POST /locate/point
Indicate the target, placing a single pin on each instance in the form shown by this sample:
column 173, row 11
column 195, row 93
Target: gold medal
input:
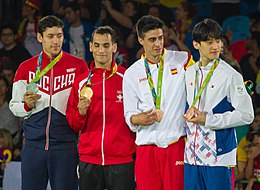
column 86, row 92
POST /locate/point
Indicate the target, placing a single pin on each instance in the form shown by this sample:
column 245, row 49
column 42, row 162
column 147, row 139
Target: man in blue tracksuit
column 50, row 150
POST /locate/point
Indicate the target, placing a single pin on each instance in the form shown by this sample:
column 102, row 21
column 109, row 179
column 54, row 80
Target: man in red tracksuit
column 95, row 109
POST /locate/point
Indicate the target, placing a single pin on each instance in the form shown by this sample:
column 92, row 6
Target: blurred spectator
column 161, row 12
column 8, row 71
column 27, row 32
column 154, row 10
column 255, row 22
column 250, row 63
column 185, row 15
column 243, row 147
column 11, row 51
column 84, row 12
column 125, row 19
column 171, row 39
column 121, row 55
column 5, row 142
column 7, row 119
column 77, row 32
column 252, row 170
column 227, row 55
column 58, row 7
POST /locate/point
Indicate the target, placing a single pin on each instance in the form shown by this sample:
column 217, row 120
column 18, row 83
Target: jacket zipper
column 195, row 138
column 49, row 113
column 104, row 119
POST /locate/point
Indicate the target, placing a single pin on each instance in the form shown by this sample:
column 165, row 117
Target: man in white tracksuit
column 154, row 102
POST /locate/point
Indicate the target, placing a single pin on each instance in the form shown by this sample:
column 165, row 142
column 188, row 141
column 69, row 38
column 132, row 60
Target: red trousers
column 160, row 168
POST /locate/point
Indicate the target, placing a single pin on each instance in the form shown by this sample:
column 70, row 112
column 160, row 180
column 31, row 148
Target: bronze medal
column 190, row 113
column 86, row 92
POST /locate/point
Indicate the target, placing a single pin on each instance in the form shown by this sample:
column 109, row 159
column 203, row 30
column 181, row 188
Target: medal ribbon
column 89, row 83
column 156, row 97
column 39, row 73
column 205, row 82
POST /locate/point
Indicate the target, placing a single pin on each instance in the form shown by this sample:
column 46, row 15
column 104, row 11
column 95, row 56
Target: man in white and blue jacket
column 218, row 102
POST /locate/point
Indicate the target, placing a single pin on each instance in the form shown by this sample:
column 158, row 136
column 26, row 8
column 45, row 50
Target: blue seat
column 239, row 25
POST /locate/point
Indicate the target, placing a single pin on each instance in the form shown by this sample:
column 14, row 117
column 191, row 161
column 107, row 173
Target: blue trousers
column 208, row 177
column 58, row 166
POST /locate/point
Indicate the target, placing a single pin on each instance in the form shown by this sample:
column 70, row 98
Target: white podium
column 12, row 177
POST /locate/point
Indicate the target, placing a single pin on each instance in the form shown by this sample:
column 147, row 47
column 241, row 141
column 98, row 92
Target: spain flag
column 174, row 71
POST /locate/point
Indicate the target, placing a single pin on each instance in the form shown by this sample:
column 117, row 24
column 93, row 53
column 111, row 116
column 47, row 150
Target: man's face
column 27, row 10
column 9, row 74
column 102, row 49
column 51, row 40
column 257, row 140
column 70, row 15
column 8, row 37
column 152, row 42
column 209, row 49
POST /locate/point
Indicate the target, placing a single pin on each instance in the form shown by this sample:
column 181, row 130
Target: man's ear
column 90, row 47
column 114, row 47
column 140, row 40
column 39, row 37
column 196, row 44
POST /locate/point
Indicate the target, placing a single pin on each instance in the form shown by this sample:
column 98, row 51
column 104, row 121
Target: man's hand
column 159, row 115
column 145, row 118
column 30, row 98
column 198, row 117
column 83, row 105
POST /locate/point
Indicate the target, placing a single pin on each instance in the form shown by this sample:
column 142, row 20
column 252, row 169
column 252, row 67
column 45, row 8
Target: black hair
column 134, row 3
column 206, row 30
column 9, row 26
column 49, row 22
column 147, row 23
column 105, row 30
column 73, row 5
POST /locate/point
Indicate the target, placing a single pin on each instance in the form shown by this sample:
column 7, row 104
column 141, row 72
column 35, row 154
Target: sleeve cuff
column 26, row 108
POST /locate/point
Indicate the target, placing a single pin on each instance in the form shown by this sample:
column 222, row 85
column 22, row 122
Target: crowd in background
column 241, row 46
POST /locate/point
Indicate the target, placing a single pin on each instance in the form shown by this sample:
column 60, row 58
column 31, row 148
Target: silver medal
column 32, row 87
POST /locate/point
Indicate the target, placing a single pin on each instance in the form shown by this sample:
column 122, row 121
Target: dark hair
column 9, row 26
column 49, row 22
column 147, row 23
column 73, row 5
column 206, row 30
column 105, row 30
column 134, row 3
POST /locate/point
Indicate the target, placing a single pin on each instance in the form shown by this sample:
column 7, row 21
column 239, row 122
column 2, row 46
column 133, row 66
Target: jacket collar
column 97, row 70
